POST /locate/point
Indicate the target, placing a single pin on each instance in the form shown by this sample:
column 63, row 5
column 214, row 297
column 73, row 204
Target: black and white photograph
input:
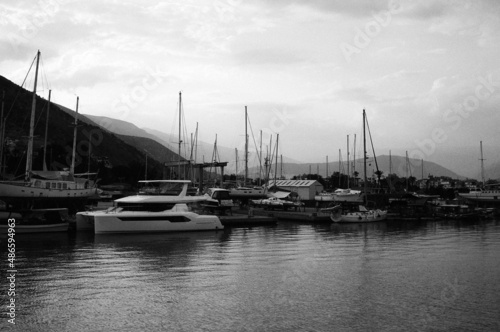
column 266, row 165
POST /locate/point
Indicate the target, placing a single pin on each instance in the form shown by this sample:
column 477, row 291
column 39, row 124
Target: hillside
column 290, row 168
column 398, row 168
column 110, row 154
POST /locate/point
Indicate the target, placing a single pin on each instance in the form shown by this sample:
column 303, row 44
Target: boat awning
column 53, row 175
column 281, row 194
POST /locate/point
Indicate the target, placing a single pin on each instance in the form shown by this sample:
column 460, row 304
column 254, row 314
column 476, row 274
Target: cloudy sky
column 427, row 72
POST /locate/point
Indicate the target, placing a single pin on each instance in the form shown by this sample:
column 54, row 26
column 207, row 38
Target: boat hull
column 154, row 222
column 25, row 190
column 60, row 227
column 358, row 217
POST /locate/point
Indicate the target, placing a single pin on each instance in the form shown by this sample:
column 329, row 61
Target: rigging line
column 44, row 75
column 20, row 88
column 371, row 141
column 272, row 158
column 255, row 143
column 185, row 141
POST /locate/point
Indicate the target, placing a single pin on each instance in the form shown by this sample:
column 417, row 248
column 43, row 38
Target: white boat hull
column 490, row 196
column 153, row 222
column 85, row 220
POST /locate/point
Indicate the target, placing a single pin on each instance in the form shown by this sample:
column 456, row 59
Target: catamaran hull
column 157, row 222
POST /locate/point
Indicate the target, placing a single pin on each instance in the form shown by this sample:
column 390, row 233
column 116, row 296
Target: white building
column 306, row 189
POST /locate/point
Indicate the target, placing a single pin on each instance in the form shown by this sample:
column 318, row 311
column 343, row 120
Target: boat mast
column 29, row 153
column 354, row 159
column 180, row 141
column 246, row 147
column 260, row 159
column 339, row 168
column 326, row 175
column 281, row 166
column 2, row 135
column 364, row 155
column 46, row 131
column 73, row 155
column 276, row 163
column 482, row 162
column 348, row 170
column 236, row 153
column 390, row 171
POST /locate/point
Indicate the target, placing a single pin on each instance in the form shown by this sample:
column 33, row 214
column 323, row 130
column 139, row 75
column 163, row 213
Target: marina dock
column 242, row 220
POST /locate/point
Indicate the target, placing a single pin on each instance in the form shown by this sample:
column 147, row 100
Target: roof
column 294, row 183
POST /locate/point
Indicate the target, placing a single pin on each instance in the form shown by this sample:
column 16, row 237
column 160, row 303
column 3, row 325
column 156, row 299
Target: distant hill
column 384, row 161
column 110, row 153
column 204, row 150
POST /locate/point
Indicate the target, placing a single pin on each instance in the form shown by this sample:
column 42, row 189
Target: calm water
column 410, row 276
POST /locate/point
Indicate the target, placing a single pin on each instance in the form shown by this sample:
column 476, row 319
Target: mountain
column 290, row 167
column 204, row 150
column 110, row 153
column 398, row 167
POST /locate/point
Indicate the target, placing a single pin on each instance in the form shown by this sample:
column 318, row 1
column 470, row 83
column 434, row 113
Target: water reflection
column 377, row 276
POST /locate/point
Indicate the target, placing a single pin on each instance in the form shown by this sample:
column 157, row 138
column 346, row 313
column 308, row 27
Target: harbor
column 438, row 275
column 250, row 166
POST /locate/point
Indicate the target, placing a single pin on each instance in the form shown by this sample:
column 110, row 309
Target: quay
column 305, row 215
column 242, row 220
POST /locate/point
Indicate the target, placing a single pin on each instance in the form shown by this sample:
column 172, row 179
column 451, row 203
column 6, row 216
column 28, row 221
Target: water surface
column 388, row 276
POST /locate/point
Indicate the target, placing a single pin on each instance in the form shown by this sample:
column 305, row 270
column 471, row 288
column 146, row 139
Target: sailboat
column 489, row 193
column 244, row 192
column 361, row 213
column 46, row 187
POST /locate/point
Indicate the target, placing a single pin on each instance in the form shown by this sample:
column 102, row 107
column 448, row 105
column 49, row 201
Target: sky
column 426, row 72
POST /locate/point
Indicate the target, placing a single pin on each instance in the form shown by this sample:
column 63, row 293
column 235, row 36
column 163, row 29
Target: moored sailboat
column 359, row 212
column 48, row 188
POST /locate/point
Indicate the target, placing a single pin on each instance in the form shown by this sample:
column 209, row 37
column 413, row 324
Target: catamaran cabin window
column 47, row 185
column 65, row 186
column 53, row 185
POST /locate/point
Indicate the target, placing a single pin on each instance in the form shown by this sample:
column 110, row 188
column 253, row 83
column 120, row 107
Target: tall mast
column 246, row 147
column 390, row 171
column 276, row 163
column 482, row 161
column 354, row 157
column 339, row 168
column 260, row 159
column 180, row 141
column 29, row 153
column 407, row 167
column 281, row 167
column 326, row 175
column 2, row 134
column 73, row 155
column 364, row 155
column 236, row 153
column 46, row 132
column 422, row 168
column 348, row 170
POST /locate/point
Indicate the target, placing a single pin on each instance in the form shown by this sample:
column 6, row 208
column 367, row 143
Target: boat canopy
column 53, row 175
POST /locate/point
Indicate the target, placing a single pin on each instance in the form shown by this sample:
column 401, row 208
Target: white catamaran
column 146, row 213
